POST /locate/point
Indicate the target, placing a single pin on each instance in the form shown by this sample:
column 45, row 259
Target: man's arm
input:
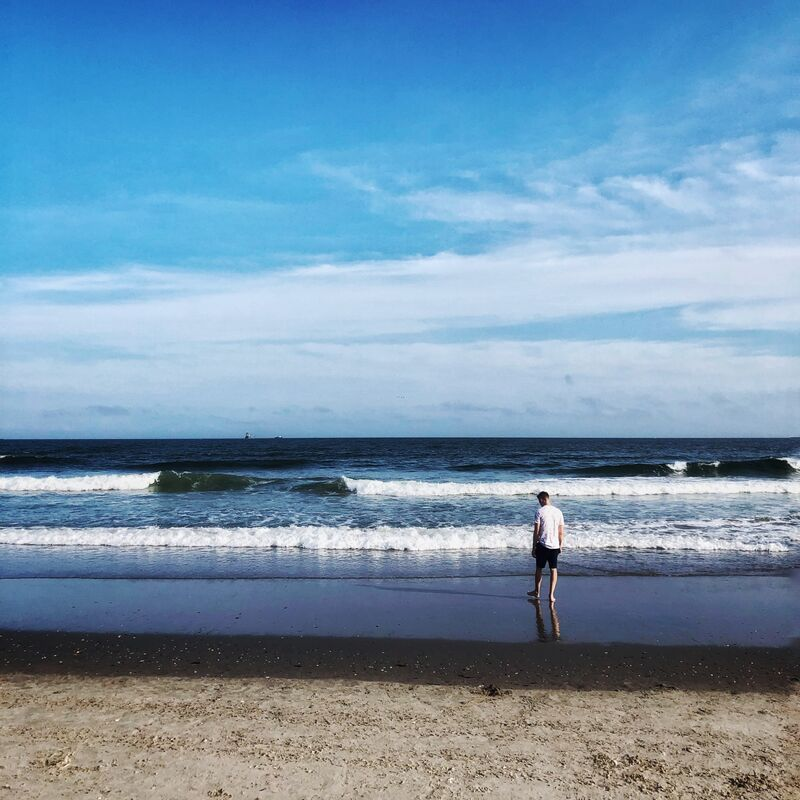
column 561, row 533
column 537, row 533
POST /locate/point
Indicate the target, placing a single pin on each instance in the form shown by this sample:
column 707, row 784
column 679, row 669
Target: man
column 548, row 538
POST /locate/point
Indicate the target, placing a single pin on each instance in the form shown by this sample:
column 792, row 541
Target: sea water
column 345, row 508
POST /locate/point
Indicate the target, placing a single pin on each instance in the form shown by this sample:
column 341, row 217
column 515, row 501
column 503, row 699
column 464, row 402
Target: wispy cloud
column 127, row 278
column 730, row 191
column 513, row 285
column 349, row 176
column 155, row 202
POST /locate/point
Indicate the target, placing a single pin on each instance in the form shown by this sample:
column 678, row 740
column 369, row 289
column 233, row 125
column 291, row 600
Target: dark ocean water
column 337, row 508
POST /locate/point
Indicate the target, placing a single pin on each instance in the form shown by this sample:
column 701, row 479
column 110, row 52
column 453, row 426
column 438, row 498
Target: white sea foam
column 706, row 535
column 575, row 487
column 82, row 483
column 794, row 463
column 678, row 466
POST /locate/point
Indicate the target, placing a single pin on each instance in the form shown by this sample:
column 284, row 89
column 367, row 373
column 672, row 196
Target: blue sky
column 469, row 218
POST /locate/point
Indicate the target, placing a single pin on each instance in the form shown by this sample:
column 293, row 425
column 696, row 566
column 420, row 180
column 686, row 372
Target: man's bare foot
column 552, row 601
column 534, row 595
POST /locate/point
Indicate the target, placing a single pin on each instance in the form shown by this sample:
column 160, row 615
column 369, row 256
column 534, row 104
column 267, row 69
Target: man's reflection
column 541, row 630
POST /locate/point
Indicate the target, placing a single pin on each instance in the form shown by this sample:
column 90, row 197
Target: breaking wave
column 631, row 470
column 681, row 482
column 572, row 487
column 705, row 536
column 745, row 468
column 169, row 481
column 166, row 481
column 81, row 483
column 766, row 467
column 323, row 487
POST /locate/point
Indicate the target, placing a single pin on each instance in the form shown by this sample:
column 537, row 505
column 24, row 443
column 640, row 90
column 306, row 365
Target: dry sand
column 71, row 736
column 154, row 716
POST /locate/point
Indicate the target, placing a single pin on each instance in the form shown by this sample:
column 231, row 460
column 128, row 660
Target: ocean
column 394, row 508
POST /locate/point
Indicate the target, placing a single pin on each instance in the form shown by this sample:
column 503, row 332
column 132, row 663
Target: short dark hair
column 542, row 496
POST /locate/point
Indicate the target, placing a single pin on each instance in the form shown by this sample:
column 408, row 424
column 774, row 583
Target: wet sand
column 430, row 661
column 743, row 610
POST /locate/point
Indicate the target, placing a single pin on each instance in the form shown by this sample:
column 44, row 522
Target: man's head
column 543, row 498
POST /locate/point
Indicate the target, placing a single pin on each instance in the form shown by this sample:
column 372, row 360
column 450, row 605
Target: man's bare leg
column 538, row 584
column 553, row 582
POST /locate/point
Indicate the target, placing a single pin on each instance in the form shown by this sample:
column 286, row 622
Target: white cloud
column 741, row 190
column 298, row 338
column 132, row 278
column 513, row 285
column 550, row 387
column 687, row 197
column 574, row 208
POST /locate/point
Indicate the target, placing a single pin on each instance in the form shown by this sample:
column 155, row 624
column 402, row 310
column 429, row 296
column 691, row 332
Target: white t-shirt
column 549, row 518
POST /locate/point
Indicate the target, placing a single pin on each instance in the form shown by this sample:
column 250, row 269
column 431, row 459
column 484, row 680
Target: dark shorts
column 546, row 555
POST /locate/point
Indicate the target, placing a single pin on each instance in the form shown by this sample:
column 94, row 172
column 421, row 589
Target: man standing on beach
column 548, row 538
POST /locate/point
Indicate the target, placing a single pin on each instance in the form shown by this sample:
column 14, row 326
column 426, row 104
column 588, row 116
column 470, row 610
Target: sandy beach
column 245, row 738
column 248, row 717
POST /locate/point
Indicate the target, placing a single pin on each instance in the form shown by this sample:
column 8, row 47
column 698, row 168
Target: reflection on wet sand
column 555, row 625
